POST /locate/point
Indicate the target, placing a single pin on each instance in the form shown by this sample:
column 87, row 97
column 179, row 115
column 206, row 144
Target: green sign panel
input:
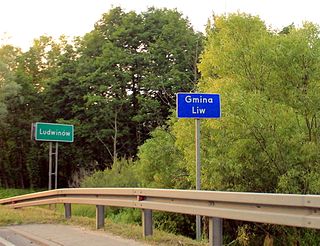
column 53, row 132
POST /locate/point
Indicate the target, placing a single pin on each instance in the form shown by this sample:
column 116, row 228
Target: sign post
column 198, row 175
column 52, row 132
column 198, row 106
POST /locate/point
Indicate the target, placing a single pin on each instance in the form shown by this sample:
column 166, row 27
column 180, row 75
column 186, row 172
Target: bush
column 122, row 174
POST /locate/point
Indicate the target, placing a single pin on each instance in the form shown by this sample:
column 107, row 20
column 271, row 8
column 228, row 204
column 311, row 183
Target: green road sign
column 53, row 132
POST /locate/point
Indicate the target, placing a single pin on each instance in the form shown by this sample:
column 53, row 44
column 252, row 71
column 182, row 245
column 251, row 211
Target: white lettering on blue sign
column 199, row 99
column 198, row 105
column 197, row 110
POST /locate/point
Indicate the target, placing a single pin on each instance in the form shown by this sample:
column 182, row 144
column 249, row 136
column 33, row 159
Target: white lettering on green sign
column 54, row 132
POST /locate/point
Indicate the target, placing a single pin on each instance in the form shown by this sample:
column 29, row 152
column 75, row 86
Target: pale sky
column 21, row 21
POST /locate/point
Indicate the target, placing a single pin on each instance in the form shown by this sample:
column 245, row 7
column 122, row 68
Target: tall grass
column 5, row 193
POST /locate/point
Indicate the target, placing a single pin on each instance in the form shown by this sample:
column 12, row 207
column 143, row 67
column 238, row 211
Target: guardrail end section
column 67, row 210
column 147, row 222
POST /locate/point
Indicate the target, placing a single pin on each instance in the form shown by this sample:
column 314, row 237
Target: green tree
column 30, row 71
column 267, row 138
column 8, row 86
column 128, row 70
column 8, row 89
column 267, row 132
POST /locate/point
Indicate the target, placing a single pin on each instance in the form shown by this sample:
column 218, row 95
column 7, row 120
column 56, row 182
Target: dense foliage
column 268, row 137
column 116, row 84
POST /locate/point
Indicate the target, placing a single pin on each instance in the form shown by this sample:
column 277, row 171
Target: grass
column 10, row 216
column 4, row 193
column 43, row 215
column 79, row 210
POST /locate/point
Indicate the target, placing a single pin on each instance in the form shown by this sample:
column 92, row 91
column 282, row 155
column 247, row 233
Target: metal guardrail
column 282, row 209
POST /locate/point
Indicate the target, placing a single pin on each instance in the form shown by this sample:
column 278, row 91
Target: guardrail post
column 67, row 210
column 100, row 210
column 215, row 231
column 147, row 222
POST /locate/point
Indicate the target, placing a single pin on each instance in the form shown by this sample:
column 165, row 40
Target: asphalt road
column 54, row 235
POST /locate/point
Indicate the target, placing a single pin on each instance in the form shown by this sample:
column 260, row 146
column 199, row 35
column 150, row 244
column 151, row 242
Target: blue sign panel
column 198, row 105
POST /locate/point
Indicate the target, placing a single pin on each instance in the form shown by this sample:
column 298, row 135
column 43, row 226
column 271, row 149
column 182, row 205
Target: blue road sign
column 198, row 105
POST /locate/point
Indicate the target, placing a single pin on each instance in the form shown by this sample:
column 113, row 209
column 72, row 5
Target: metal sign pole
column 198, row 106
column 50, row 166
column 198, row 175
column 56, row 167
